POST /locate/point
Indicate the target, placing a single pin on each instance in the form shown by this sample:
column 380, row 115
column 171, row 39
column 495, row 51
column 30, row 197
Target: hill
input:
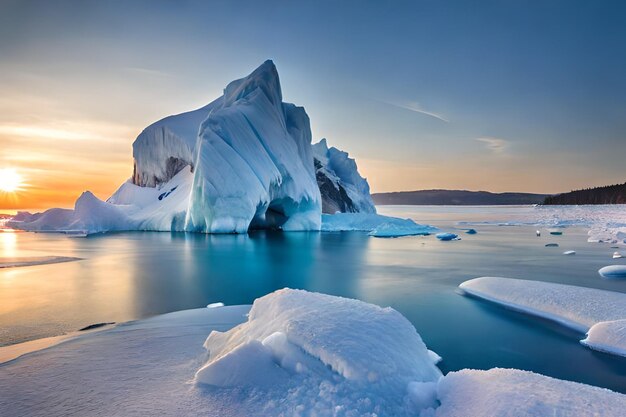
column 610, row 194
column 456, row 198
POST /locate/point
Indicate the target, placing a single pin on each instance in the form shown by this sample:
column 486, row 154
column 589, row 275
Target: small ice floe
column 556, row 232
column 552, row 245
column 569, row 252
column 538, row 232
column 215, row 305
column 617, row 255
column 613, row 271
column 447, row 236
column 471, row 231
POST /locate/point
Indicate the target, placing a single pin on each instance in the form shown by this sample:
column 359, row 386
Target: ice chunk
column 613, row 271
column 514, row 393
column 569, row 252
column 446, row 236
column 215, row 305
column 551, row 245
column 617, row 255
column 608, row 336
column 471, row 231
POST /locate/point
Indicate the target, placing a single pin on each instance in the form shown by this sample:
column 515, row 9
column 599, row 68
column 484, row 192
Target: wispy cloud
column 415, row 107
column 495, row 145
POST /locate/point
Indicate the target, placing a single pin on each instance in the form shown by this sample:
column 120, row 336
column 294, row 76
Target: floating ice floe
column 471, row 231
column 578, row 308
column 215, row 305
column 447, row 236
column 376, row 224
column 514, row 393
column 617, row 255
column 613, row 271
column 551, row 245
column 538, row 232
column 569, row 252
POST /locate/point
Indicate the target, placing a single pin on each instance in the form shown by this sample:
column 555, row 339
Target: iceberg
column 244, row 161
column 342, row 187
column 578, row 308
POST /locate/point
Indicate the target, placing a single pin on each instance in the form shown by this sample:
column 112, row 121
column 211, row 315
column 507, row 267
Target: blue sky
column 497, row 95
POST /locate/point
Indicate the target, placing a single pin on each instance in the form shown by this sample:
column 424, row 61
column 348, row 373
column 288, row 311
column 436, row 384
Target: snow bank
column 376, row 224
column 607, row 336
column 341, row 186
column 576, row 307
column 339, row 353
column 515, row 393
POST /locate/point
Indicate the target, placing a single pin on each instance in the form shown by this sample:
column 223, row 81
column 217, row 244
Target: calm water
column 128, row 276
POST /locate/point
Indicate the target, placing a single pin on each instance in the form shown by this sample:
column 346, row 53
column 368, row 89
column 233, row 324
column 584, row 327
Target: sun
column 10, row 180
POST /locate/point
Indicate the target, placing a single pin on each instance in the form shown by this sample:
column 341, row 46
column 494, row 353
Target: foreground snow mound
column 376, row 224
column 315, row 352
column 515, row 393
column 579, row 308
column 341, row 186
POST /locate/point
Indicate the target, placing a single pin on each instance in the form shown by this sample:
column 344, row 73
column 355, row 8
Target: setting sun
column 10, row 180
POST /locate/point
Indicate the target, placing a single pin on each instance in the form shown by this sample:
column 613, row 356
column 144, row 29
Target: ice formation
column 243, row 161
column 579, row 308
column 319, row 352
column 376, row 224
column 342, row 188
column 447, row 236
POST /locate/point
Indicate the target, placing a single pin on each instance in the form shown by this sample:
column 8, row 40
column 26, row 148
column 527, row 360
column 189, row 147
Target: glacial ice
column 244, row 161
column 575, row 307
column 341, row 186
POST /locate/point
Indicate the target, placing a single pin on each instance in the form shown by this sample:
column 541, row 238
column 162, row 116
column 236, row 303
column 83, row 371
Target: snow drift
column 338, row 352
column 243, row 161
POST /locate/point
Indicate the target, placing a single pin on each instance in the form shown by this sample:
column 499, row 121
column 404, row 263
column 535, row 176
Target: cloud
column 495, row 145
column 415, row 107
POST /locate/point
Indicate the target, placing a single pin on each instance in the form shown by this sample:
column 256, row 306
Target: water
column 128, row 276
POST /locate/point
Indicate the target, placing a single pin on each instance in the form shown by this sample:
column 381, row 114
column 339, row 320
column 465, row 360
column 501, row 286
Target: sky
column 505, row 95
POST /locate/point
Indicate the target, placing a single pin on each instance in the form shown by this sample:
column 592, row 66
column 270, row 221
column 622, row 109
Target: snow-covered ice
column 608, row 336
column 376, row 224
column 569, row 252
column 613, row 271
column 293, row 354
column 617, row 255
column 318, row 352
column 515, row 393
column 578, row 308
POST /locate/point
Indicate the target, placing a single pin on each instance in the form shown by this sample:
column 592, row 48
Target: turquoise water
column 127, row 276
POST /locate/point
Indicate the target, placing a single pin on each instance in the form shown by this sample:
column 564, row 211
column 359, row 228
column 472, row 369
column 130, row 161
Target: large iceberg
column 599, row 313
column 244, row 161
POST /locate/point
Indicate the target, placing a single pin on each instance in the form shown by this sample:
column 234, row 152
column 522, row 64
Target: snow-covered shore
column 295, row 354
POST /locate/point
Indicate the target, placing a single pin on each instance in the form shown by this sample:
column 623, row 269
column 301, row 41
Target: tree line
column 610, row 194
